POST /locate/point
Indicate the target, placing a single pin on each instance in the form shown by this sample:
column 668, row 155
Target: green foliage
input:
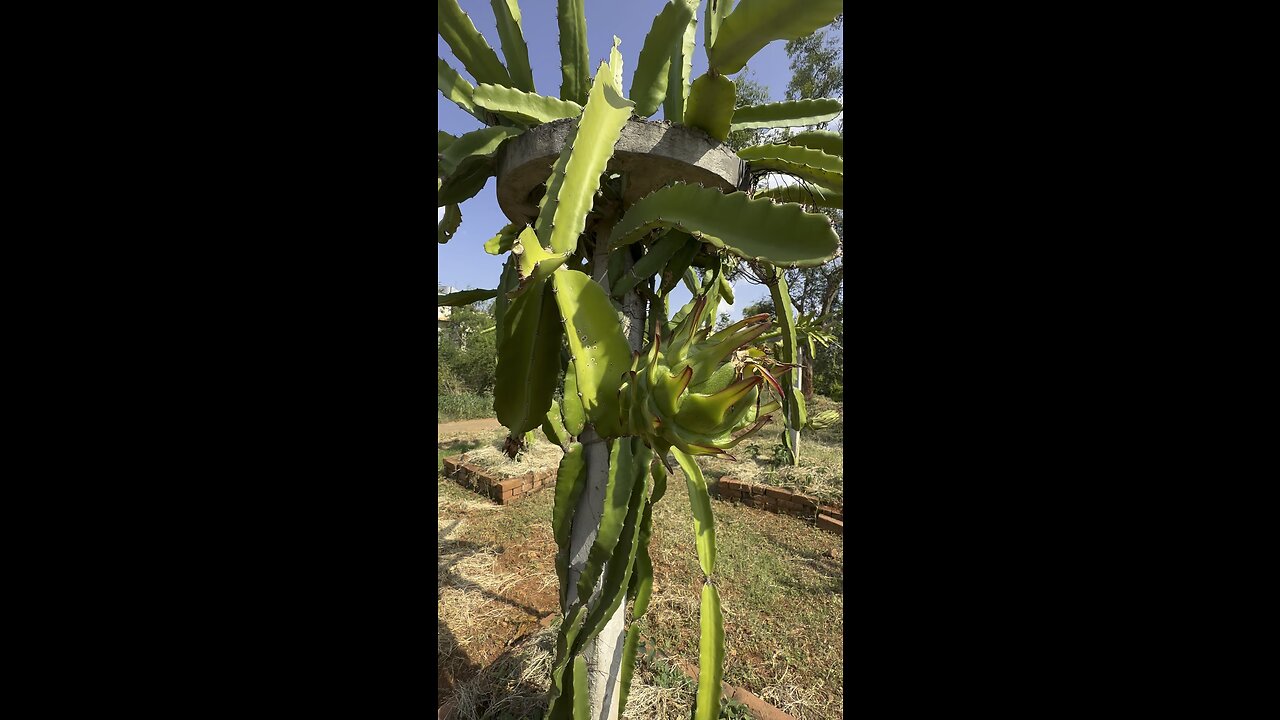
column 802, row 162
column 681, row 394
column 514, row 49
column 584, row 159
column 679, row 66
column 665, row 38
column 456, row 88
column 468, row 359
column 710, row 655
column 468, row 45
column 786, row 114
column 755, row 23
column 522, row 107
column 817, row 63
column 748, row 92
column 750, row 229
column 575, row 72
column 465, row 297
column 570, row 481
column 810, row 194
column 710, row 105
column 528, row 359
column 831, row 143
column 449, row 225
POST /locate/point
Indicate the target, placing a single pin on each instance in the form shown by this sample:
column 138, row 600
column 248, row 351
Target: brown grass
column 544, row 454
column 782, row 600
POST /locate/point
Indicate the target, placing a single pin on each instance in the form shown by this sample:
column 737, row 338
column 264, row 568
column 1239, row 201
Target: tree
column 817, row 64
column 585, row 289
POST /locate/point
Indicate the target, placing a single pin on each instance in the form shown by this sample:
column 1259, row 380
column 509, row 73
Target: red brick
column 508, row 485
column 450, row 466
column 507, row 495
column 826, row 522
column 777, row 492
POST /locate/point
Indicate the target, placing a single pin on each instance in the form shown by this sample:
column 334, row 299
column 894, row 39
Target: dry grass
column 514, row 686
column 820, row 473
column 544, row 454
column 782, row 599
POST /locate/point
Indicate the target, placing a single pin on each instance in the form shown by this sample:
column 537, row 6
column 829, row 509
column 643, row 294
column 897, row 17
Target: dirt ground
column 462, row 428
column 782, row 592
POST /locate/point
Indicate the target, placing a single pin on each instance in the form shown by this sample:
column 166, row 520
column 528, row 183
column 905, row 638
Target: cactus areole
column 609, row 212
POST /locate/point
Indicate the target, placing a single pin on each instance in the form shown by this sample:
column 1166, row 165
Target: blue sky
column 463, row 261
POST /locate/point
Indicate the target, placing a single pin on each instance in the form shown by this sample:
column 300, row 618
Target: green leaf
column 679, row 263
column 468, row 45
column 617, row 503
column 528, row 361
column 805, row 193
column 794, row 401
column 599, row 352
column 575, row 71
column 506, row 283
column 628, row 665
column 649, row 83
column 794, row 155
column 726, row 290
column 653, row 261
column 786, row 114
column 571, row 478
column 588, row 153
column 710, row 106
column 617, row 576
column 749, row 228
column 717, row 11
column 553, row 427
column 756, row 23
column 560, row 698
column 449, row 223
column 469, row 162
column 444, row 140
column 831, row 143
column 692, row 281
column 642, row 576
column 483, row 142
column 524, row 107
column 456, row 88
column 581, row 708
column 575, row 416
column 514, row 49
column 700, row 503
column 467, row 180
column 535, row 263
column 658, row 471
column 710, row 655
column 465, row 297
column 506, row 237
column 679, row 67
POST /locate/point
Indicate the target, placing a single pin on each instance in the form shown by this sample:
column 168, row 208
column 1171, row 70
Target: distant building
column 443, row 312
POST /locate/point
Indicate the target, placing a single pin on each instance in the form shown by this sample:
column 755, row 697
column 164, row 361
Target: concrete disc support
column 651, row 154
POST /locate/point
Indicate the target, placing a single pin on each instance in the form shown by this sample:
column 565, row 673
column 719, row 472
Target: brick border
column 782, row 501
column 501, row 491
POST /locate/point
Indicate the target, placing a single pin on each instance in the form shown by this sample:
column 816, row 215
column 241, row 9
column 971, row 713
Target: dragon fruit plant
column 584, row 292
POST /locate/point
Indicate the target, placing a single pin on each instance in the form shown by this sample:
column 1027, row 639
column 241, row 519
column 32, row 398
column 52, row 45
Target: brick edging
column 500, row 491
column 782, row 501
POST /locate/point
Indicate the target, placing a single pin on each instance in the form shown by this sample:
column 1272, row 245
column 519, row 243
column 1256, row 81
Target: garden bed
column 488, row 471
column 782, row 501
column 820, row 474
